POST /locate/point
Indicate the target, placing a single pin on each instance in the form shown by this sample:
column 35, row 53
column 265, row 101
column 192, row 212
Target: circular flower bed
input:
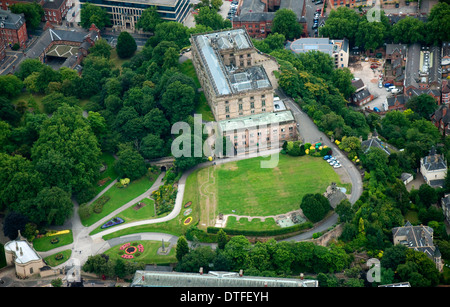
column 131, row 250
column 188, row 220
column 54, row 240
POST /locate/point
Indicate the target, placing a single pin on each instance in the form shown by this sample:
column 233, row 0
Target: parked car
column 388, row 84
column 334, row 162
column 337, row 165
column 376, row 109
column 327, row 157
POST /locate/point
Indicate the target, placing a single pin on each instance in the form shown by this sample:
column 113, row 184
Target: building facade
column 238, row 90
column 257, row 16
column 13, row 28
column 434, row 169
column 20, row 253
column 334, row 4
column 54, row 10
column 125, row 13
column 338, row 49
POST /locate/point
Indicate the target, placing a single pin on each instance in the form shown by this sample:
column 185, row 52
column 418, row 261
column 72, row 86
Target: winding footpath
column 86, row 245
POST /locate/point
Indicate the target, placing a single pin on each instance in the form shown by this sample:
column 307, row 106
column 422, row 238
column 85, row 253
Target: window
column 228, row 116
column 252, row 105
column 263, row 103
column 240, row 107
column 227, row 109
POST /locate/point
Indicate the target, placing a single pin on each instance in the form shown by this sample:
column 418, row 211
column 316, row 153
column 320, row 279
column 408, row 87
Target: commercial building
column 126, row 13
column 238, row 91
column 338, row 49
column 54, row 10
column 257, row 15
column 13, row 28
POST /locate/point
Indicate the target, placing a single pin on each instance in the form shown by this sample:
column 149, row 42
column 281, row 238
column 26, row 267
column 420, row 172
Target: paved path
column 85, row 245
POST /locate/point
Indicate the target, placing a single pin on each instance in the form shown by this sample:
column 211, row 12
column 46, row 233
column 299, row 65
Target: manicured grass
column 244, row 188
column 412, row 217
column 110, row 172
column 43, row 244
column 51, row 261
column 188, row 69
column 121, row 196
column 255, row 224
column 148, row 256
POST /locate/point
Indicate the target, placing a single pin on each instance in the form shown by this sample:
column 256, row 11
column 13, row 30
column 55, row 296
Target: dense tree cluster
column 368, row 34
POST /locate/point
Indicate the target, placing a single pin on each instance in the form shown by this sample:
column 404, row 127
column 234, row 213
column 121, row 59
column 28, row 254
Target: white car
column 334, row 162
column 337, row 165
column 331, row 159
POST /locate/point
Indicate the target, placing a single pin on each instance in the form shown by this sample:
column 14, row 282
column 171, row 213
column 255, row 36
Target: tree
column 152, row 146
column 27, row 67
column 222, row 239
column 210, row 18
column 67, row 152
column 93, row 14
column 408, row 30
column 130, row 163
column 10, row 86
column 424, row 105
column 315, row 206
column 178, row 101
column 149, row 19
column 171, row 31
column 126, row 45
column 237, row 249
column 33, row 13
column 345, row 211
column 14, row 222
column 182, row 248
column 101, row 48
column 438, row 24
column 370, row 35
column 341, row 23
column 342, row 80
column 285, row 23
column 7, row 111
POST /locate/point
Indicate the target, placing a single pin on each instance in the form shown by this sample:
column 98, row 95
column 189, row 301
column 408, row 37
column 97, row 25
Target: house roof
column 391, row 48
column 434, row 161
column 376, row 143
column 53, row 4
column 392, row 100
column 358, row 83
column 24, row 252
column 8, row 20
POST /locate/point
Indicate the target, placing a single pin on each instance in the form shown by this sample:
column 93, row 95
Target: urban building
column 418, row 238
column 238, row 91
column 257, row 16
column 68, row 47
column 445, row 204
column 13, row 28
column 395, row 102
column 445, row 92
column 441, row 119
column 54, row 10
column 423, row 72
column 434, row 169
column 361, row 96
column 338, row 49
column 126, row 13
column 2, row 49
column 20, row 253
column 445, row 60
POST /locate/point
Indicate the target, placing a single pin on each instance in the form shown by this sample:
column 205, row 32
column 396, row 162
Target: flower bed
column 131, row 250
column 127, row 256
column 141, row 248
column 188, row 204
column 113, row 222
column 187, row 221
column 187, row 212
column 124, row 246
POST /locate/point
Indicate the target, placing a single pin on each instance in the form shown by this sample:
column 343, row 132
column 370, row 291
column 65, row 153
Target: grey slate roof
column 213, row 279
column 419, row 238
column 376, row 143
column 10, row 20
column 434, row 161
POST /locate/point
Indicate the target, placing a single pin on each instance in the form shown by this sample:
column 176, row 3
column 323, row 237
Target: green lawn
column 148, row 256
column 52, row 261
column 43, row 244
column 244, row 188
column 108, row 173
column 121, row 196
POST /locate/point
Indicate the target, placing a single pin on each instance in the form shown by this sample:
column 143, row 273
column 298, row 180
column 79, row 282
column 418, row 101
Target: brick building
column 54, row 10
column 13, row 28
column 334, row 4
column 257, row 15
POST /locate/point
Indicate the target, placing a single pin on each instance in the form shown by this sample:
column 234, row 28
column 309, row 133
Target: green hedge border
column 262, row 233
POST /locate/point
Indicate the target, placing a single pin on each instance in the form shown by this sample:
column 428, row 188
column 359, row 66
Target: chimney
column 21, row 252
column 301, row 276
column 201, row 271
column 241, row 273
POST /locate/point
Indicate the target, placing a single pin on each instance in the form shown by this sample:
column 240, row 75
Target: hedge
column 262, row 233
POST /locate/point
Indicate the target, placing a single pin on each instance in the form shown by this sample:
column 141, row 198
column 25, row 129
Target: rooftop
column 24, row 252
column 227, row 79
column 325, row 45
column 9, row 20
column 254, row 120
column 213, row 279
